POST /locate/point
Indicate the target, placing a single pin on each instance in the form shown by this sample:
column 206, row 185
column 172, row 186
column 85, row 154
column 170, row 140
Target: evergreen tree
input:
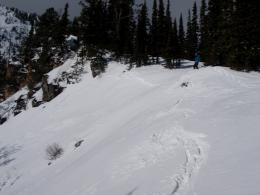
column 45, row 36
column 203, row 28
column 189, row 52
column 93, row 26
column 98, row 64
column 194, row 30
column 128, row 49
column 176, row 44
column 181, row 37
column 214, row 30
column 46, row 29
column 168, row 52
column 63, row 27
column 44, row 62
column 75, row 27
column 154, row 33
column 121, row 26
column 45, row 41
column 219, row 25
column 161, row 28
column 27, row 47
column 168, row 20
column 245, row 53
column 2, row 72
column 142, row 37
column 226, row 32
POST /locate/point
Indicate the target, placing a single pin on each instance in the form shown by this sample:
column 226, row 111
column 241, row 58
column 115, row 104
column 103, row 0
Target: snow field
column 144, row 134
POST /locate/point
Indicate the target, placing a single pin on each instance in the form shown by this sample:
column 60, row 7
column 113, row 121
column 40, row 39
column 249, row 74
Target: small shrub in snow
column 98, row 65
column 185, row 84
column 54, row 151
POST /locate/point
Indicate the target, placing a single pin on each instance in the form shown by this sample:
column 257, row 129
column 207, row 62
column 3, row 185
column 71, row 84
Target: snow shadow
column 132, row 191
column 6, row 154
column 184, row 66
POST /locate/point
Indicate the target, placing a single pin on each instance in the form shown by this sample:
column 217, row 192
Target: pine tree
column 168, row 52
column 195, row 30
column 63, row 27
column 142, row 37
column 161, row 28
column 45, row 36
column 121, row 26
column 181, row 37
column 219, row 25
column 176, row 43
column 27, row 46
column 226, row 31
column 203, row 28
column 189, row 53
column 129, row 29
column 98, row 64
column 154, row 34
column 44, row 62
column 245, row 53
column 93, row 26
column 46, row 28
column 214, row 55
column 168, row 20
column 75, row 27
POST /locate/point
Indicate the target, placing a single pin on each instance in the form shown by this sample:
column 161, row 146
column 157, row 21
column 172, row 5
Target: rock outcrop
column 50, row 90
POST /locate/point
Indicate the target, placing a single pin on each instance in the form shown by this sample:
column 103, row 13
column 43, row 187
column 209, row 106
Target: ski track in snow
column 164, row 144
column 161, row 147
column 196, row 152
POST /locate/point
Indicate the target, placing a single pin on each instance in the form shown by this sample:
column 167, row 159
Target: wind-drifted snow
column 148, row 131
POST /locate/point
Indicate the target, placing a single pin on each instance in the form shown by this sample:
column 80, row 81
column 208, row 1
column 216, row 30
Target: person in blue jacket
column 197, row 61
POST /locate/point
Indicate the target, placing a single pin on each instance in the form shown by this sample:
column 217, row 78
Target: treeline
column 129, row 33
column 24, row 16
column 229, row 33
column 224, row 32
column 46, row 48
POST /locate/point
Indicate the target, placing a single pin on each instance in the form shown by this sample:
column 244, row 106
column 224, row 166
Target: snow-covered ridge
column 68, row 73
column 148, row 131
column 12, row 32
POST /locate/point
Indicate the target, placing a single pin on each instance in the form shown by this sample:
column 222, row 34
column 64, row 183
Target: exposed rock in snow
column 13, row 105
column 50, row 90
column 52, row 85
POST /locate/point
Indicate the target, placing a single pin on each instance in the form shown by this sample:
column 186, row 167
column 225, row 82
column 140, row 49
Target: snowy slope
column 12, row 32
column 148, row 131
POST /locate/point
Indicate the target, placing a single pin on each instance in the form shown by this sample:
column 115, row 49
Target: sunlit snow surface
column 148, row 131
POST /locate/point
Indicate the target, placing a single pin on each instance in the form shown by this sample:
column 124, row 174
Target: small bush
column 185, row 84
column 54, row 151
column 98, row 65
